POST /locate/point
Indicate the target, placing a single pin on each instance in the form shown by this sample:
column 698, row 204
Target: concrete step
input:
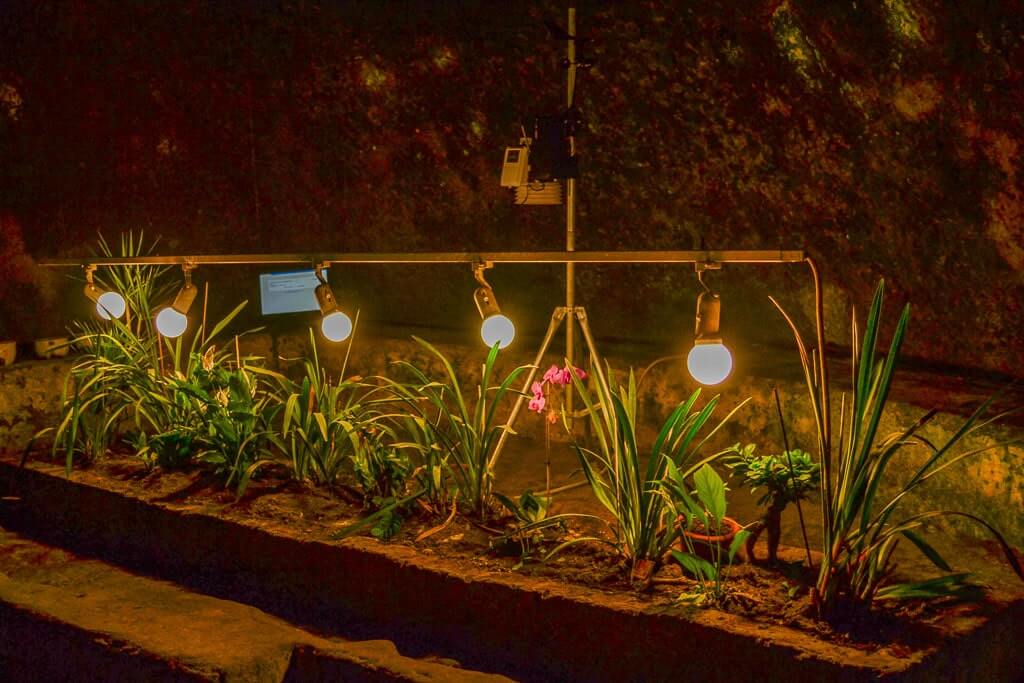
column 66, row 617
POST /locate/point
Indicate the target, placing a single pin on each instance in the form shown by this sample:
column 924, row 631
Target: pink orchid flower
column 552, row 374
column 537, row 403
column 537, row 388
column 563, row 376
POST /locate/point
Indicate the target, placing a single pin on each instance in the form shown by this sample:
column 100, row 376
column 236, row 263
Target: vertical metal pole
column 570, row 213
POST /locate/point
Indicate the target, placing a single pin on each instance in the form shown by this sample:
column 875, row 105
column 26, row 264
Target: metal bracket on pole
column 478, row 272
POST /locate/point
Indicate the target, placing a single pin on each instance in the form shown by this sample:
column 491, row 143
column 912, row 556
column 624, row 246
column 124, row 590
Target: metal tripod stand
column 561, row 314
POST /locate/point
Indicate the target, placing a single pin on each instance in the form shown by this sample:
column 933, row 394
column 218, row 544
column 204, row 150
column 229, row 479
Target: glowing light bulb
column 110, row 305
column 497, row 329
column 709, row 363
column 336, row 326
column 171, row 323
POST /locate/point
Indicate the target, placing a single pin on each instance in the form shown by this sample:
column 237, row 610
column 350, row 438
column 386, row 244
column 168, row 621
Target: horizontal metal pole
column 725, row 256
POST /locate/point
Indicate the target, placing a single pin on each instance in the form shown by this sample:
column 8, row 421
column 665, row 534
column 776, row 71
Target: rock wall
column 885, row 136
column 30, row 399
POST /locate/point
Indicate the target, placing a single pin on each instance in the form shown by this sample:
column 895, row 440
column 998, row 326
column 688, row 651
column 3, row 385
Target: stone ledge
column 67, row 617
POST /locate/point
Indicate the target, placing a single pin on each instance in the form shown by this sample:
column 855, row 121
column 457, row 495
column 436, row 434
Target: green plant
column 326, row 423
column 786, row 478
column 530, row 519
column 97, row 397
column 235, row 411
column 861, row 528
column 125, row 378
column 465, row 438
column 414, row 436
column 428, row 480
column 628, row 490
column 381, row 470
column 181, row 399
column 709, row 511
column 173, row 449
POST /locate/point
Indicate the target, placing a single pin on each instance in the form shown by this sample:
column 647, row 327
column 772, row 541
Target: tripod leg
column 581, row 315
column 556, row 319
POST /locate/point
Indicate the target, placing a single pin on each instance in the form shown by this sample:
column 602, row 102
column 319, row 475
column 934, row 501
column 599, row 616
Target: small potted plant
column 786, row 478
column 706, row 556
column 696, row 537
column 706, row 543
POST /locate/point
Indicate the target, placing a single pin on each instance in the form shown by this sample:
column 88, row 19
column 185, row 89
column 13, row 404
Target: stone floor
column 67, row 617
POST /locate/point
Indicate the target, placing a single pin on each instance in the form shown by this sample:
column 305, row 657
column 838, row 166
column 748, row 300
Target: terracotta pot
column 8, row 352
column 703, row 544
column 51, row 347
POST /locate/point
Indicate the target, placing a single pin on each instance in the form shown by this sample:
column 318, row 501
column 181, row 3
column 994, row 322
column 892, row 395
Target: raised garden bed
column 449, row 597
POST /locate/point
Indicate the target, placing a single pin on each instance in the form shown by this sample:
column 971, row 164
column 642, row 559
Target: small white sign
column 290, row 292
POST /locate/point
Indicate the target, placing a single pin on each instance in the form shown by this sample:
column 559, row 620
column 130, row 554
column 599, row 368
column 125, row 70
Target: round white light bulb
column 111, row 305
column 336, row 326
column 497, row 329
column 170, row 323
column 709, row 363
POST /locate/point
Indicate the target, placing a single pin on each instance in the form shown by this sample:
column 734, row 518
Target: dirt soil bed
column 453, row 594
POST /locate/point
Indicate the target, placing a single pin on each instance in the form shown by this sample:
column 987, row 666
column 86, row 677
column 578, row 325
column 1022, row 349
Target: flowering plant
column 554, row 376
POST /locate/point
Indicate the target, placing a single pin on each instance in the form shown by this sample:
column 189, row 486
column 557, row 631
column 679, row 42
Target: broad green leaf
column 700, row 568
column 711, row 492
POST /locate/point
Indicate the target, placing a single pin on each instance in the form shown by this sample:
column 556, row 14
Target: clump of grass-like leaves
column 172, row 400
column 861, row 526
column 627, row 487
column 459, row 436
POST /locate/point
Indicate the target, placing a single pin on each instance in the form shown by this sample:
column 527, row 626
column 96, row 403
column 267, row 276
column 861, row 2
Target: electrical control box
column 515, row 170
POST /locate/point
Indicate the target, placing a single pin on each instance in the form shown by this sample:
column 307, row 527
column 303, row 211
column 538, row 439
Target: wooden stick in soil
column 792, row 476
column 547, row 460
